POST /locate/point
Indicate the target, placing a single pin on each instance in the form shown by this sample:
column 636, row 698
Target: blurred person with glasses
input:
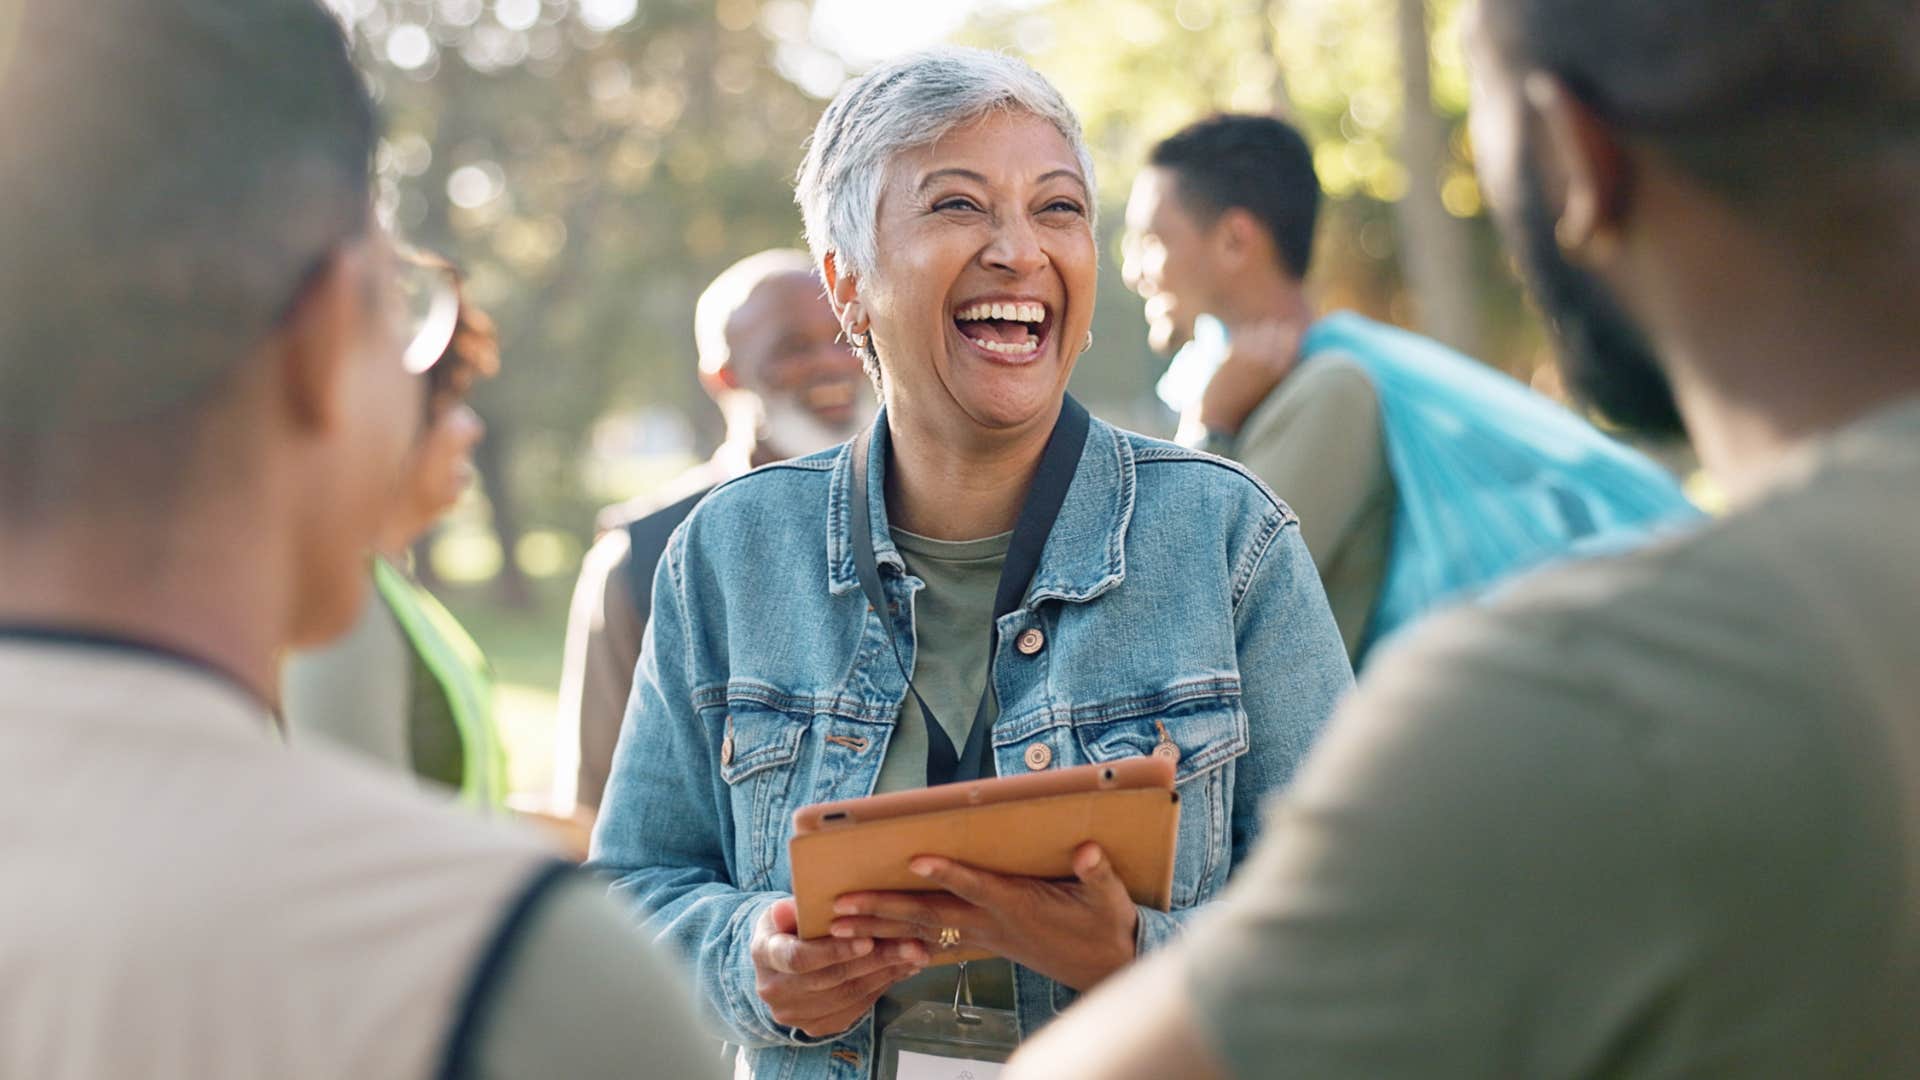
column 407, row 685
column 211, row 370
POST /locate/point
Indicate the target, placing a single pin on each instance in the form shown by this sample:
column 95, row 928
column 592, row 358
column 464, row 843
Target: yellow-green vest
column 459, row 669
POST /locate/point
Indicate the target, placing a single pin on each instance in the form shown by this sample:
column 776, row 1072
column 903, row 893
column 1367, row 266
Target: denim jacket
column 1176, row 600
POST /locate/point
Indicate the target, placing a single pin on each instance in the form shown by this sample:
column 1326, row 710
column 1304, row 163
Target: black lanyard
column 1057, row 465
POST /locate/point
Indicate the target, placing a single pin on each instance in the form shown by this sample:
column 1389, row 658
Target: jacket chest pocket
column 759, row 760
column 1203, row 737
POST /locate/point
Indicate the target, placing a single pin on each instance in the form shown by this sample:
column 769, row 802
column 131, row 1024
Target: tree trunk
column 491, row 457
column 1269, row 13
column 1434, row 245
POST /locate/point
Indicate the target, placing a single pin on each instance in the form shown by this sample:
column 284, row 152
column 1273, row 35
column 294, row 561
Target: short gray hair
column 904, row 105
column 729, row 293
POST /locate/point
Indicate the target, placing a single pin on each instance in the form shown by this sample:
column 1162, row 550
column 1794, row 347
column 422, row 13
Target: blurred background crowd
column 588, row 233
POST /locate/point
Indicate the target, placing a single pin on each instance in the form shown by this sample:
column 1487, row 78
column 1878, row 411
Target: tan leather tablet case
column 1137, row 827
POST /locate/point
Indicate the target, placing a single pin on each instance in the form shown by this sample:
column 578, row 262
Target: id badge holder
column 932, row 1041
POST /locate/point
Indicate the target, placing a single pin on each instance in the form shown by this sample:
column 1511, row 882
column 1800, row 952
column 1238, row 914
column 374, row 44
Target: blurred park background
column 593, row 163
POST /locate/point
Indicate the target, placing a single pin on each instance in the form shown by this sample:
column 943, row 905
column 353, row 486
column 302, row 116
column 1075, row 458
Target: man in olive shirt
column 1221, row 224
column 1657, row 815
column 1420, row 476
column 208, row 380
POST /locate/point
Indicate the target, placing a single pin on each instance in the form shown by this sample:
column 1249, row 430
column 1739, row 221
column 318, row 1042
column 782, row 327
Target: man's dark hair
column 1257, row 163
column 173, row 172
column 1763, row 99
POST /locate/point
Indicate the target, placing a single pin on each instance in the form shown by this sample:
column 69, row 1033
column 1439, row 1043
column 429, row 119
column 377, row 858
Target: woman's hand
column 1259, row 357
column 824, row 986
column 1075, row 933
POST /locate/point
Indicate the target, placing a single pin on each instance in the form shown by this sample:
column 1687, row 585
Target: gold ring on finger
column 949, row 937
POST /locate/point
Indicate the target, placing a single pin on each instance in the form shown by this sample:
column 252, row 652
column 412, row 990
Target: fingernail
column 861, row 947
column 845, row 907
column 841, row 931
column 923, row 867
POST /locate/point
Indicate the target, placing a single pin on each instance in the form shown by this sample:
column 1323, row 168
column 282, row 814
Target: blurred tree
column 590, row 164
column 1435, row 244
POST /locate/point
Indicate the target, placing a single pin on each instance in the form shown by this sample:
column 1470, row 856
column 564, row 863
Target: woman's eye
column 956, row 204
column 1064, row 205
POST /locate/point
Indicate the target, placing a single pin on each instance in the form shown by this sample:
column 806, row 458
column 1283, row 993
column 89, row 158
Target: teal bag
column 1491, row 478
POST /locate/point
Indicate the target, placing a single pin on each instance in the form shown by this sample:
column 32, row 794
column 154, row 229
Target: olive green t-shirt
column 952, row 617
column 1316, row 441
column 1655, row 815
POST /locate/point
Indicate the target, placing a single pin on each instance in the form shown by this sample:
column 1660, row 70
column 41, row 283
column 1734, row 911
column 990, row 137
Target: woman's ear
column 1593, row 169
column 843, row 292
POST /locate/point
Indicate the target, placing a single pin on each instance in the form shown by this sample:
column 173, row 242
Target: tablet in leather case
column 1027, row 825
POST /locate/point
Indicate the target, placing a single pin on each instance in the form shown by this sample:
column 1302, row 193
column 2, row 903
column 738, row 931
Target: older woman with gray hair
column 987, row 581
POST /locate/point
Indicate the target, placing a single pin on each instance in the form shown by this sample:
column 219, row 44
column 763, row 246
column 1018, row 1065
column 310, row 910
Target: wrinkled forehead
column 1003, row 145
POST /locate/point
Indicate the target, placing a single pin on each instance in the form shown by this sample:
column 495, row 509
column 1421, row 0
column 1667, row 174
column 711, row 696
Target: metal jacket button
column 1030, row 641
column 1168, row 751
column 1039, row 756
column 726, row 744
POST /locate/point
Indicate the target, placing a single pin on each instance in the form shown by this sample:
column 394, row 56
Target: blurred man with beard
column 1657, row 815
column 771, row 358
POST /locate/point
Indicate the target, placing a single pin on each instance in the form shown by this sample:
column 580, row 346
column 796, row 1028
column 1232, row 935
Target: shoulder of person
column 673, row 497
column 1184, row 479
column 1707, row 622
column 782, row 502
column 1330, row 381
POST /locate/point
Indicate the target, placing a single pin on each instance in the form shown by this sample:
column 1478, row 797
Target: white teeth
column 1005, row 348
column 1023, row 312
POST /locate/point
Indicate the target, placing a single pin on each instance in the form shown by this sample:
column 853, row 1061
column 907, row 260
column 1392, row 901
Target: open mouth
column 1006, row 330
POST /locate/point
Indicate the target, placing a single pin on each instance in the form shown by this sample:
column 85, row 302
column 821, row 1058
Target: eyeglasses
column 418, row 294
column 426, row 312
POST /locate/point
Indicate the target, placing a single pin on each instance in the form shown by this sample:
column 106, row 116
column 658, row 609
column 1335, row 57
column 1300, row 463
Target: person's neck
column 963, row 487
column 1756, row 380
column 1263, row 297
column 202, row 591
column 398, row 538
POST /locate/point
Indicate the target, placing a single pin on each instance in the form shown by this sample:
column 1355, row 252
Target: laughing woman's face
column 983, row 288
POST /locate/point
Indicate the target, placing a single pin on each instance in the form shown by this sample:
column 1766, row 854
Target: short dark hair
column 1754, row 97
column 175, row 170
column 1257, row 163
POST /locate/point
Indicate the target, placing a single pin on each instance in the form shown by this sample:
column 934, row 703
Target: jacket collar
column 1085, row 554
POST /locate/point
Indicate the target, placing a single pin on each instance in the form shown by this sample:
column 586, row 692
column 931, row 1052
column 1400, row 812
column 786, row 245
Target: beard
column 1608, row 362
column 793, row 430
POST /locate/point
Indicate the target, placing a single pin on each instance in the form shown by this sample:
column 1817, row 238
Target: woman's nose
column 1016, row 248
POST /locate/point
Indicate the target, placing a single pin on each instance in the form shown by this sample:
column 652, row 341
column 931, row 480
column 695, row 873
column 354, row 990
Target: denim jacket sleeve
column 1293, row 671
column 666, row 826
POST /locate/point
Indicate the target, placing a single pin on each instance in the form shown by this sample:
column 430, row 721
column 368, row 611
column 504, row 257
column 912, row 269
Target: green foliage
column 590, row 180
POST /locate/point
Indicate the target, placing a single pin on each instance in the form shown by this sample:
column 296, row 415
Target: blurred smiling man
column 772, row 359
column 1656, row 815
